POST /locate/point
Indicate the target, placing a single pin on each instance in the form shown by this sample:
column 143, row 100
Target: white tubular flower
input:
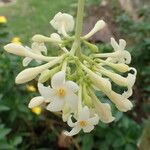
column 119, row 67
column 25, row 52
column 102, row 109
column 118, row 79
column 41, row 39
column 98, row 26
column 36, row 101
column 101, row 83
column 120, row 55
column 84, row 122
column 15, row 49
column 122, row 103
column 31, row 73
column 63, row 23
column 36, row 48
column 61, row 92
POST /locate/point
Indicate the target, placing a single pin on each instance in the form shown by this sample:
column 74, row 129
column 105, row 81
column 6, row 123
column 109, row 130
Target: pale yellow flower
column 16, row 40
column 37, row 110
column 30, row 88
column 3, row 19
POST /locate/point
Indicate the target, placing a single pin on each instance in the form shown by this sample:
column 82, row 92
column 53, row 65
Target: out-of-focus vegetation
column 21, row 128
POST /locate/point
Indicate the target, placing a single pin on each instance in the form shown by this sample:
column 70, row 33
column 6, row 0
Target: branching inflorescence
column 73, row 77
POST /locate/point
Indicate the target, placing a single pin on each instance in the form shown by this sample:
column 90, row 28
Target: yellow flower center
column 61, row 92
column 83, row 123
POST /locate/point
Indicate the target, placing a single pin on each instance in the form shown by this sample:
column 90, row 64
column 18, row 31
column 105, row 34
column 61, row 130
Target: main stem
column 79, row 26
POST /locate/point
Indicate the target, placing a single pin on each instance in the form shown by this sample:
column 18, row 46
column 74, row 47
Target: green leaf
column 4, row 145
column 4, row 132
column 87, row 142
column 17, row 140
column 4, row 108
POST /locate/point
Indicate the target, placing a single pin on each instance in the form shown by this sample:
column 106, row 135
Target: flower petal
column 70, row 123
column 46, row 92
column 36, row 101
column 58, row 79
column 114, row 44
column 88, row 128
column 26, row 61
column 94, row 120
column 85, row 113
column 55, row 105
column 72, row 86
column 122, row 44
column 72, row 100
column 73, row 132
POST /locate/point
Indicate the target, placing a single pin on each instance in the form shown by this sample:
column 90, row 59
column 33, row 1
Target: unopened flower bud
column 122, row 103
column 15, row 49
column 98, row 26
column 36, row 101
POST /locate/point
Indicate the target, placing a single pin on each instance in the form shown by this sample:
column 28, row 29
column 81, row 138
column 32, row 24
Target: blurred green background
column 25, row 129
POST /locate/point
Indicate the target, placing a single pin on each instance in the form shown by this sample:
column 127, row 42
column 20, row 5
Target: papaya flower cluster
column 68, row 83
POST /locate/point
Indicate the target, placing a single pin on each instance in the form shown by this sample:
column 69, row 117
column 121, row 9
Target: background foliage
column 20, row 128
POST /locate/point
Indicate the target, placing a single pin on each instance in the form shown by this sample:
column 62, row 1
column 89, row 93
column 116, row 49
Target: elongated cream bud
column 31, row 73
column 41, row 38
column 101, row 83
column 47, row 74
column 15, row 49
column 122, row 103
column 118, row 79
column 20, row 50
column 103, row 109
column 36, row 101
column 119, row 67
column 98, row 26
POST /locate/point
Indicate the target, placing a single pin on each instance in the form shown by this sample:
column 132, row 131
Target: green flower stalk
column 74, row 77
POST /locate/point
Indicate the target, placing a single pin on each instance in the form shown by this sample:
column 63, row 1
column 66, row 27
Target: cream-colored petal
column 58, row 79
column 55, row 105
column 127, row 93
column 61, row 19
column 46, row 92
column 88, row 128
column 122, row 44
column 114, row 44
column 70, row 123
column 85, row 113
column 72, row 86
column 94, row 120
column 73, row 132
column 26, row 61
column 72, row 100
